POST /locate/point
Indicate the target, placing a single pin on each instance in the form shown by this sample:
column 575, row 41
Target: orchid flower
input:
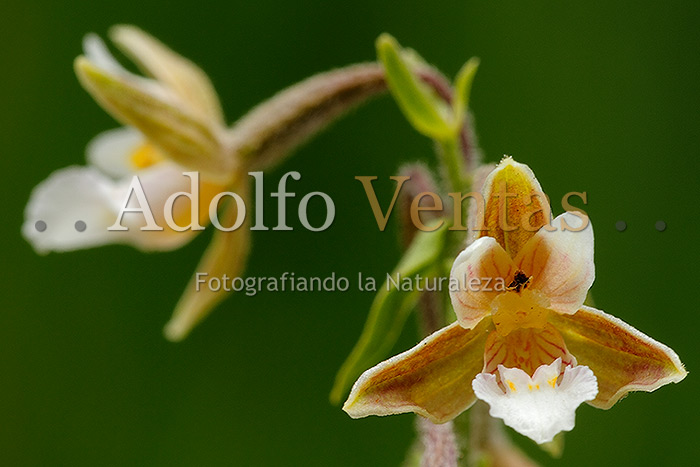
column 175, row 132
column 530, row 349
column 173, row 124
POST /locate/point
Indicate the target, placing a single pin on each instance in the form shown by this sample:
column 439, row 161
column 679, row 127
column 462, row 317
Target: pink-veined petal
column 476, row 270
column 560, row 262
column 527, row 349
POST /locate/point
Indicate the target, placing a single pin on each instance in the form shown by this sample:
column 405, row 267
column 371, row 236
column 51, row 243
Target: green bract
column 389, row 311
column 427, row 112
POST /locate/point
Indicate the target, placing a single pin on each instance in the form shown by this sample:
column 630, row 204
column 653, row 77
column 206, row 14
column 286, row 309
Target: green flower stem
column 456, row 179
column 452, row 163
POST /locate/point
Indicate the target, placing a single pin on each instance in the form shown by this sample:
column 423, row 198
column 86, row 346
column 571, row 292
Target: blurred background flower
column 597, row 97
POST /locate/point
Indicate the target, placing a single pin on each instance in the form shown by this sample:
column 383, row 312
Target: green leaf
column 389, row 311
column 463, row 86
column 429, row 115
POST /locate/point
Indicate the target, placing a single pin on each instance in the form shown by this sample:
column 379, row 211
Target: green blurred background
column 595, row 96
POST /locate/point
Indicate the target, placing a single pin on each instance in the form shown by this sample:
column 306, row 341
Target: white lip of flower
column 540, row 406
column 539, row 318
column 95, row 194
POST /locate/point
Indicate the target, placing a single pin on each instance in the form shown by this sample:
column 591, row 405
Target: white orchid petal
column 70, row 195
column 561, row 262
column 84, row 194
column 110, row 151
column 476, row 269
column 537, row 407
column 159, row 182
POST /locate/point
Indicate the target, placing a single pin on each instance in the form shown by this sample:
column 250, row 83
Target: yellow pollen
column 537, row 386
column 145, row 156
column 552, row 382
column 511, row 386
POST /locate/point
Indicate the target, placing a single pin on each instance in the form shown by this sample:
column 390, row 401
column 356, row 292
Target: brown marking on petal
column 433, row 379
column 622, row 358
column 492, row 355
column 527, row 349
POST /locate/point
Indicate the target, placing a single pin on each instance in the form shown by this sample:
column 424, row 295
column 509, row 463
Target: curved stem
column 270, row 131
